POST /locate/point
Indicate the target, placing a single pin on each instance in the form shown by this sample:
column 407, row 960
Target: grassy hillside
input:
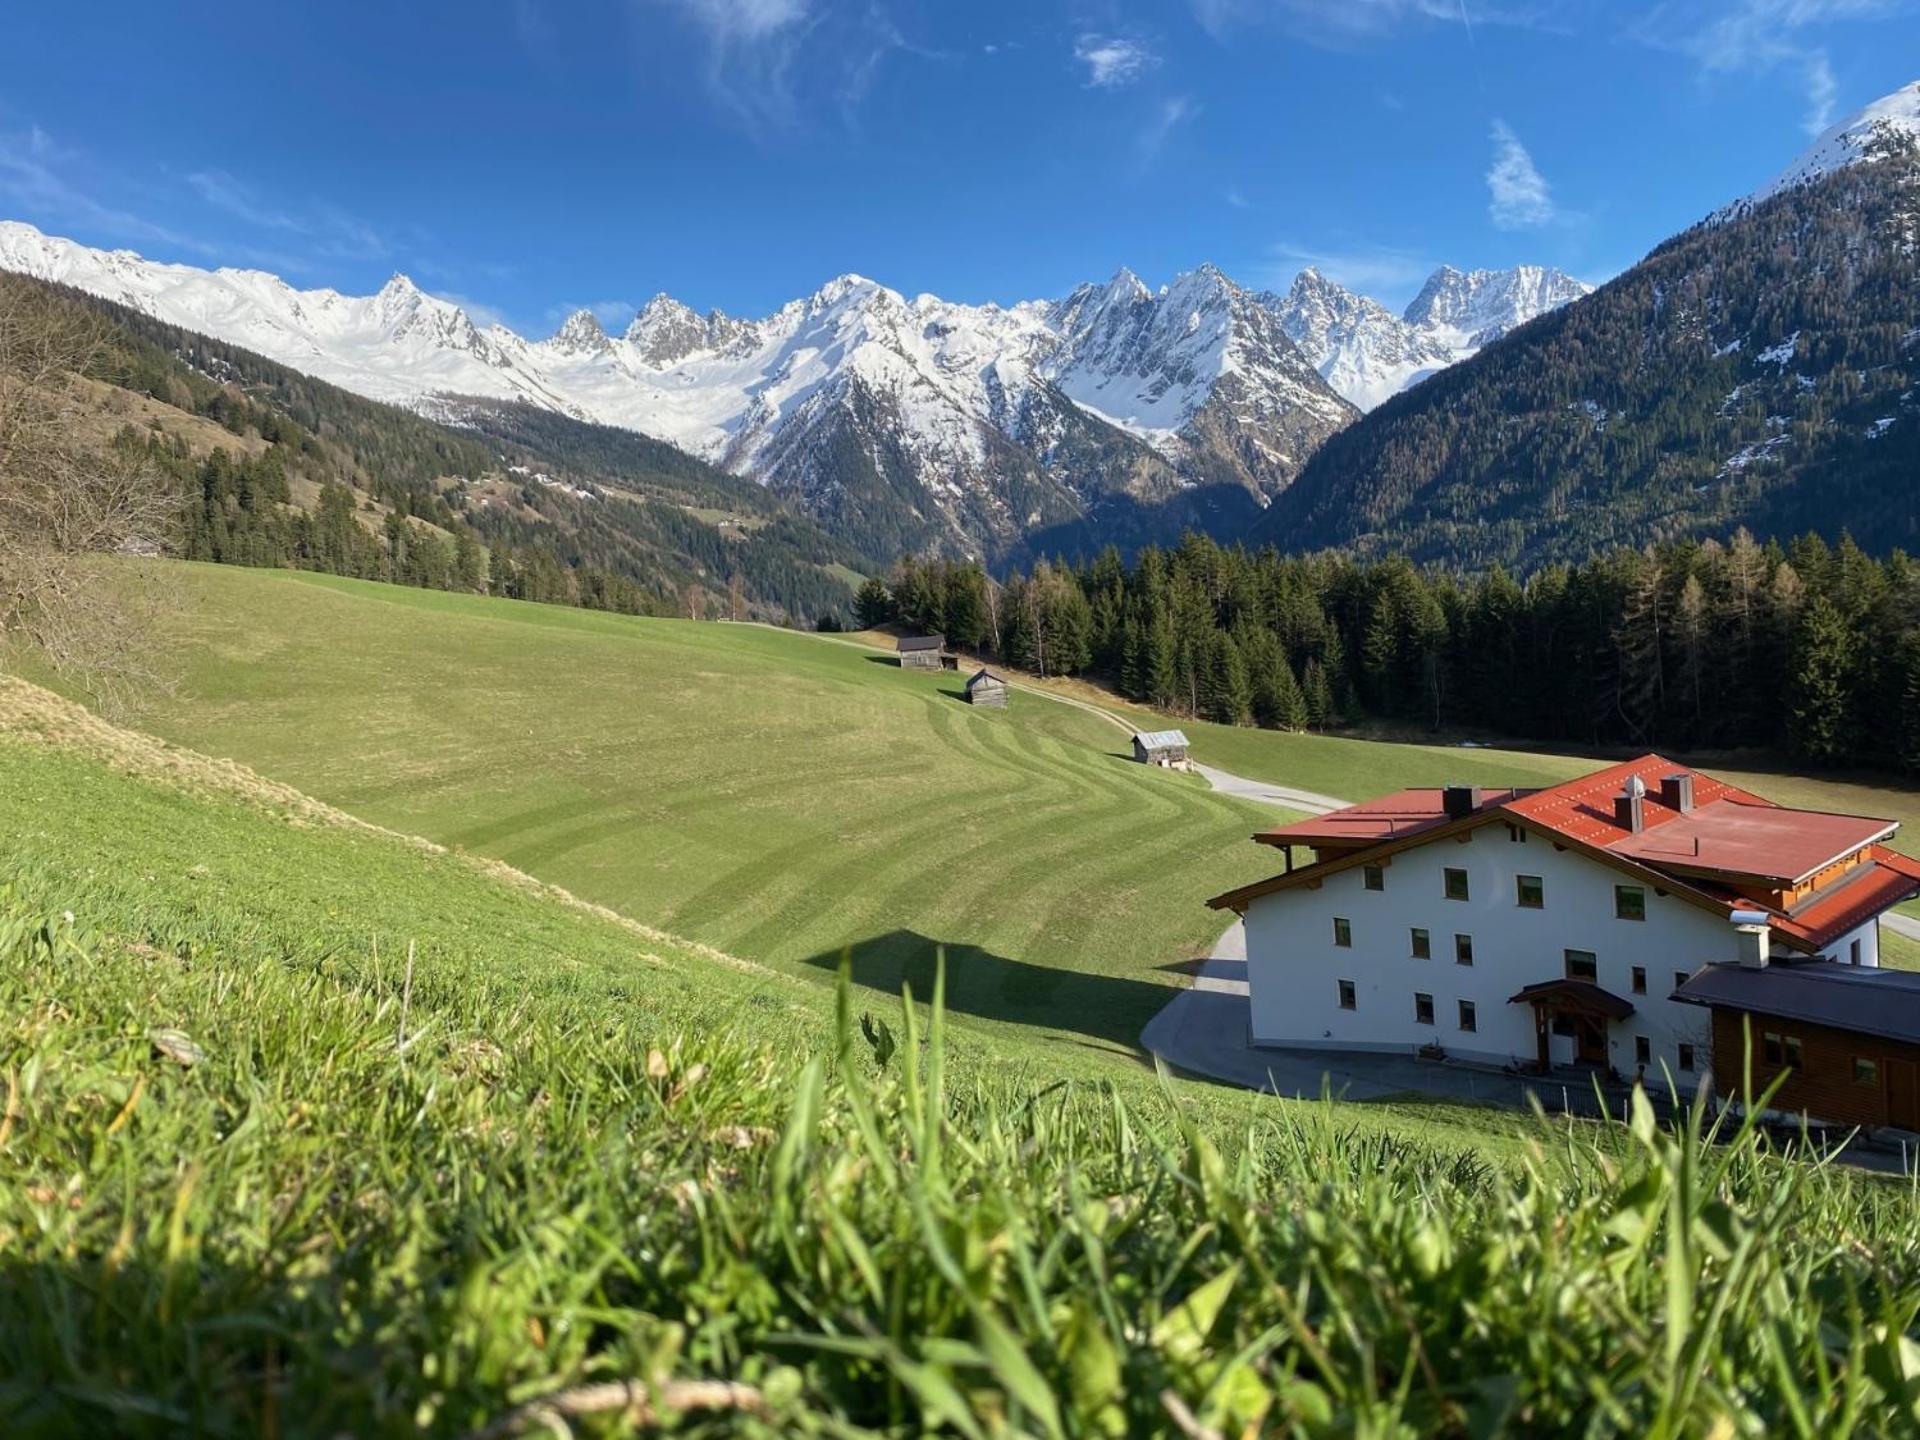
column 581, row 1170
column 776, row 795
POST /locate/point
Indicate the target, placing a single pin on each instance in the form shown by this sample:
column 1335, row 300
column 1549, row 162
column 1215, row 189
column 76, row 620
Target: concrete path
column 1901, row 924
column 1231, row 784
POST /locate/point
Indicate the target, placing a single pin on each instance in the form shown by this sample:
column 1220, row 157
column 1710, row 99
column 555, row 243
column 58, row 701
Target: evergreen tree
column 873, row 603
column 1823, row 659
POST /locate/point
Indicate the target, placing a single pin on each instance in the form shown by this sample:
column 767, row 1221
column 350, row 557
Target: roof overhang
column 1574, row 997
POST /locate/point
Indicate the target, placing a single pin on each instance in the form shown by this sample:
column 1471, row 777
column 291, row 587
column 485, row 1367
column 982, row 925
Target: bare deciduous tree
column 64, row 505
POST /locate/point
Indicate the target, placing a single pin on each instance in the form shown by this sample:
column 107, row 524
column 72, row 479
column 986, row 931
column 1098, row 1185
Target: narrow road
column 1901, row 924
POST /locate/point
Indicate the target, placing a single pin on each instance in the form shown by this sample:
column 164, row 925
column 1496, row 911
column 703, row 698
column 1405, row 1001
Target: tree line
column 1808, row 648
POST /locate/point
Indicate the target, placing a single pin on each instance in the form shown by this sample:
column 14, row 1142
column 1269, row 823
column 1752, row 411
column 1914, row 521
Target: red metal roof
column 1741, row 838
column 1887, row 880
column 1583, row 809
column 1405, row 812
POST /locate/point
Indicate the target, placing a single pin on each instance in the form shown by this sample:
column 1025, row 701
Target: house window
column 1686, row 1058
column 1516, row 834
column 1530, row 892
column 1642, row 1050
column 1639, row 979
column 1853, row 953
column 1780, row 1049
column 1865, row 1071
column 1375, row 877
column 1468, row 1020
column 1463, row 949
column 1342, row 932
column 1422, row 944
column 1791, row 1043
column 1680, row 977
column 1456, row 884
column 1582, row 965
column 1422, row 1007
column 1346, row 996
column 1770, row 1047
column 1629, row 902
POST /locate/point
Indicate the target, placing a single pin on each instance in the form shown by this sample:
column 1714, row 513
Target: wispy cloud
column 1168, row 116
column 1344, row 22
column 1760, row 37
column 1518, row 195
column 478, row 311
column 1376, row 270
column 1113, row 60
column 1236, row 199
column 329, row 232
column 612, row 314
column 53, row 184
column 770, row 61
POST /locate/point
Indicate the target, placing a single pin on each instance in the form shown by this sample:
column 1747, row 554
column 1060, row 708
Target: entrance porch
column 1577, row 1006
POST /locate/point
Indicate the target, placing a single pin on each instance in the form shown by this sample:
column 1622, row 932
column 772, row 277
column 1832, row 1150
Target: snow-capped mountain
column 1889, row 122
column 968, row 426
column 1369, row 354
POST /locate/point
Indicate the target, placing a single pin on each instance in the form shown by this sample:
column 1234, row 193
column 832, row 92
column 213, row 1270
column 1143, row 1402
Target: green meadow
column 779, row 796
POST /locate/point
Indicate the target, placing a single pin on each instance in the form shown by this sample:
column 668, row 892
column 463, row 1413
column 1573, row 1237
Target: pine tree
column 1318, row 696
column 1818, row 726
column 873, row 603
column 1162, row 669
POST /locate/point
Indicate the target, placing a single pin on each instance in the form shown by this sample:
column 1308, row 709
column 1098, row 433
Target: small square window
column 1422, row 944
column 1468, row 1020
column 1530, row 892
column 1770, row 1047
column 1582, row 965
column 1375, row 877
column 1463, row 949
column 1629, row 902
column 1422, row 1008
column 1456, row 884
column 1791, row 1045
column 1680, row 977
column 1516, row 834
column 1686, row 1058
column 1346, row 996
column 1342, row 932
column 1642, row 1050
column 1639, row 979
column 1865, row 1071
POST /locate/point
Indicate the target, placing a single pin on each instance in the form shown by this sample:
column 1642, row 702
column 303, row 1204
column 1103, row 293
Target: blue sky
column 530, row 156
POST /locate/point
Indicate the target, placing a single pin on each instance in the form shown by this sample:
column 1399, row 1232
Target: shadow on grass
column 1102, row 1007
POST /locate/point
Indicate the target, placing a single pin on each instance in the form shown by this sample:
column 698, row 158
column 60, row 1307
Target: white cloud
column 478, row 311
column 1375, row 270
column 331, row 231
column 1822, row 90
column 1236, row 199
column 1337, row 22
column 1760, row 37
column 1113, row 61
column 746, row 20
column 1169, row 115
column 1519, row 196
column 612, row 314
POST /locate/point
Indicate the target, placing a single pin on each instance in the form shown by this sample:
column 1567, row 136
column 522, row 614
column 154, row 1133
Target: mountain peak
column 1888, row 123
column 580, row 335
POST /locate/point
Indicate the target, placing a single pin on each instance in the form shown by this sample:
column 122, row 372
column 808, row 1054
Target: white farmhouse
column 1548, row 928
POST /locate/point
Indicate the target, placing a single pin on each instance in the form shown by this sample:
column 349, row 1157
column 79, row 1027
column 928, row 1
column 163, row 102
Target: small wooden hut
column 986, row 688
column 921, row 652
column 1165, row 748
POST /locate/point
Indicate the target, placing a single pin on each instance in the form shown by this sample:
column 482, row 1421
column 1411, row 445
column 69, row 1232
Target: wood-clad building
column 922, row 652
column 1845, row 1037
column 1165, row 748
column 986, row 688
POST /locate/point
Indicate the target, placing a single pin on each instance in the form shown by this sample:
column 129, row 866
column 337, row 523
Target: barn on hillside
column 1165, row 748
column 986, row 688
column 921, row 652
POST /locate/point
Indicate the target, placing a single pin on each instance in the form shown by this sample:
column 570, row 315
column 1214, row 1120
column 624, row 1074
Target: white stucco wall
column 1294, row 967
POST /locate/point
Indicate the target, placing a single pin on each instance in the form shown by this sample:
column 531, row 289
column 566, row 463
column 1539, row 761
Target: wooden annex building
column 924, row 652
column 986, row 688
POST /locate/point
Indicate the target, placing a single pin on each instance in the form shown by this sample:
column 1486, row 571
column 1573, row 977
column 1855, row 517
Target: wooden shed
column 986, row 688
column 921, row 652
column 1165, row 748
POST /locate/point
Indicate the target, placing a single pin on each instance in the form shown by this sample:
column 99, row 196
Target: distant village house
column 1165, row 748
column 922, row 652
column 1641, row 920
column 986, row 688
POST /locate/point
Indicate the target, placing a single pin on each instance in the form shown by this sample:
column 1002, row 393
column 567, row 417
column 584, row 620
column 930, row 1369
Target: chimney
column 1459, row 801
column 1676, row 791
column 1630, row 807
column 1752, row 938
